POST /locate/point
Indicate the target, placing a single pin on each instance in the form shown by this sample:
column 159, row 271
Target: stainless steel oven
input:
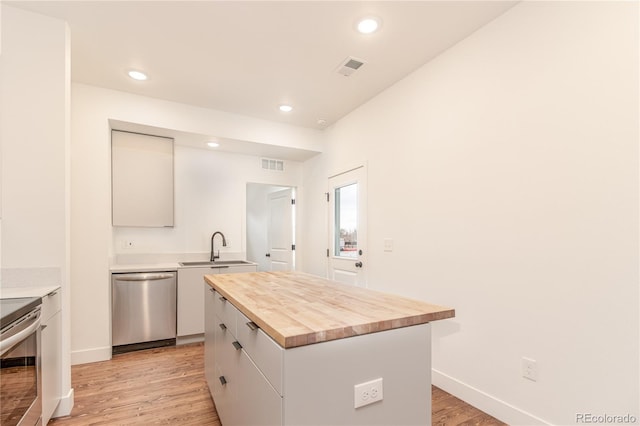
column 20, row 381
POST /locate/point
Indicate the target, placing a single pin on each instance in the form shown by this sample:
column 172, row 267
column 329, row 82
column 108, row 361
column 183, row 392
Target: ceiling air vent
column 349, row 66
column 271, row 164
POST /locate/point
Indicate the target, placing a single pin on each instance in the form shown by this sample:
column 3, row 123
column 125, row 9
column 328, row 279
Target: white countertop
column 16, row 292
column 146, row 267
column 155, row 267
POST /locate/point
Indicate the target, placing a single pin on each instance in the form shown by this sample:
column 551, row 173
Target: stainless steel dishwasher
column 143, row 310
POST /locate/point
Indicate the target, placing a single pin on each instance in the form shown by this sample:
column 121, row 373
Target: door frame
column 362, row 228
column 259, row 252
column 291, row 203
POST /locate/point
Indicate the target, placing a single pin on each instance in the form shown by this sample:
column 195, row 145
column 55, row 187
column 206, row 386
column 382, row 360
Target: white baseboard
column 90, row 355
column 485, row 402
column 185, row 340
column 65, row 405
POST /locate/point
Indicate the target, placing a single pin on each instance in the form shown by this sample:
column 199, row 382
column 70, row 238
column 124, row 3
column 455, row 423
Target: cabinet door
column 141, row 180
column 210, row 324
column 190, row 302
column 51, row 365
column 259, row 404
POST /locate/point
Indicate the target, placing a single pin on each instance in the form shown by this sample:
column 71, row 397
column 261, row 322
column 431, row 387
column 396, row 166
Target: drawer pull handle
column 237, row 345
column 252, row 325
column 211, row 290
column 53, row 293
column 223, row 380
column 222, row 326
column 223, row 299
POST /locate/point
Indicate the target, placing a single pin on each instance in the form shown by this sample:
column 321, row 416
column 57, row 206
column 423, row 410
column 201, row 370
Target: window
column 346, row 221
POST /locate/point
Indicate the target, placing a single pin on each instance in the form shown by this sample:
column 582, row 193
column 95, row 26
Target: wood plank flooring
column 447, row 410
column 167, row 386
column 154, row 386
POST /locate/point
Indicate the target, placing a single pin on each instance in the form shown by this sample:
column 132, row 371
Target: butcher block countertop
column 297, row 309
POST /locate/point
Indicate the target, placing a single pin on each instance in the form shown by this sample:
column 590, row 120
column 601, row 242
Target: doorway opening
column 271, row 226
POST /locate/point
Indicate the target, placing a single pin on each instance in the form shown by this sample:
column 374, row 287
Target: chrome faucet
column 224, row 244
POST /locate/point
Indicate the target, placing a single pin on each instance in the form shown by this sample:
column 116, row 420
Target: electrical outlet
column 367, row 393
column 530, row 369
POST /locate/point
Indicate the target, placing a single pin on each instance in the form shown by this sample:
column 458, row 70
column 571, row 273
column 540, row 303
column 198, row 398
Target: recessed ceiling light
column 368, row 25
column 213, row 144
column 286, row 108
column 137, row 75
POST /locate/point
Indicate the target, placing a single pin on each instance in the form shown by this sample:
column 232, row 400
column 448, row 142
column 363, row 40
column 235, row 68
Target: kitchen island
column 289, row 348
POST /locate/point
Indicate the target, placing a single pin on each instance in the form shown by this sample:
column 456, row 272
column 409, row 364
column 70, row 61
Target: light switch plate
column 530, row 369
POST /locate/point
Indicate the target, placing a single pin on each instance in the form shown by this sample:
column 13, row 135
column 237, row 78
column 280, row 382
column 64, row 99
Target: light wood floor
column 167, row 386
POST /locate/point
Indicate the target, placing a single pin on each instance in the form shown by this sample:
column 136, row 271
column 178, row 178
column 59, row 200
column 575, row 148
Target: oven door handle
column 8, row 343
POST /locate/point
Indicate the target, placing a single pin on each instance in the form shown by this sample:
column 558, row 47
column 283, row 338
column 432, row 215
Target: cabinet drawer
column 226, row 312
column 210, row 325
column 224, row 349
column 262, row 349
column 261, row 404
column 224, row 396
column 50, row 305
column 227, row 381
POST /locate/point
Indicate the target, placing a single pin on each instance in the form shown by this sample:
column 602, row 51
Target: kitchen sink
column 218, row 263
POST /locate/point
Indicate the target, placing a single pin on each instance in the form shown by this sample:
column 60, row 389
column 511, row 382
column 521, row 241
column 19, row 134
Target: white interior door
column 348, row 227
column 280, row 233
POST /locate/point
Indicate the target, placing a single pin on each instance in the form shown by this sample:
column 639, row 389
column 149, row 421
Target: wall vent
column 272, row 164
column 349, row 66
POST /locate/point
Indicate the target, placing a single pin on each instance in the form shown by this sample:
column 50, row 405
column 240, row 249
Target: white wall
column 210, row 194
column 34, row 139
column 506, row 171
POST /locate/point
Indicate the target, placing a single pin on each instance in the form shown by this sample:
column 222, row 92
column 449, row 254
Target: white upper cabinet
column 141, row 179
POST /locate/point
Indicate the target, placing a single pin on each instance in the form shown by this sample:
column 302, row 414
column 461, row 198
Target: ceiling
column 250, row 57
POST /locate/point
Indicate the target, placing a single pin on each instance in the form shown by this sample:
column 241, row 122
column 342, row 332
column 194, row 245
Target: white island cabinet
column 286, row 348
column 243, row 366
column 190, row 305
